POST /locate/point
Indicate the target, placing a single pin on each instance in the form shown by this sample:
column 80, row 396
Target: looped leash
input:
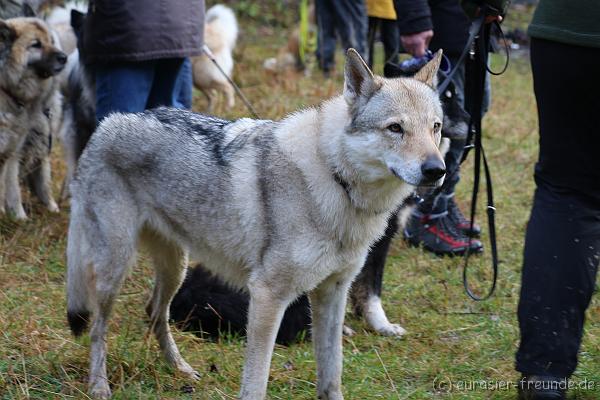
column 476, row 67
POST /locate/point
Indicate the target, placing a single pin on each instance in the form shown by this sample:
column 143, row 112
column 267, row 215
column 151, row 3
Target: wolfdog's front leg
column 264, row 317
column 328, row 303
column 40, row 180
column 14, row 203
column 2, row 186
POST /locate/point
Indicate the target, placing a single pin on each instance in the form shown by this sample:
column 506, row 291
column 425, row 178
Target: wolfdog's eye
column 36, row 44
column 396, row 128
column 437, row 126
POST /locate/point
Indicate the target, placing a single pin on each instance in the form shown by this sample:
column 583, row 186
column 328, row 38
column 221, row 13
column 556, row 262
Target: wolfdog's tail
column 78, row 276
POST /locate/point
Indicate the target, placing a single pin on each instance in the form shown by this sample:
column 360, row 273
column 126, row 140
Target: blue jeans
column 183, row 86
column 136, row 86
column 346, row 19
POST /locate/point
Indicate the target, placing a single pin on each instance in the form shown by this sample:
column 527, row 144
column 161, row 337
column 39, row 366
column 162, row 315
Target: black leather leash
column 476, row 68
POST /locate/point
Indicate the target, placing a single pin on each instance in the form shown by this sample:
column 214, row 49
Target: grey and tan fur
column 29, row 110
column 279, row 208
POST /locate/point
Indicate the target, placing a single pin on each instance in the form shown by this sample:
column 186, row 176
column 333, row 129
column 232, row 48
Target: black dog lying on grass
column 205, row 305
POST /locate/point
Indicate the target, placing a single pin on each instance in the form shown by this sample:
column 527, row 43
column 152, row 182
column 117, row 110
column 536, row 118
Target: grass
column 450, row 339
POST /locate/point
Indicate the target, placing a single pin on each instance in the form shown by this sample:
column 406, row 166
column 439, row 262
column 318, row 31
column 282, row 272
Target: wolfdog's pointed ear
column 358, row 78
column 428, row 74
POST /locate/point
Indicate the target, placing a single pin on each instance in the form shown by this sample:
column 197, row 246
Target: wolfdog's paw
column 347, row 331
column 185, row 369
column 196, row 375
column 19, row 214
column 100, row 391
column 53, row 207
column 391, row 330
column 331, row 394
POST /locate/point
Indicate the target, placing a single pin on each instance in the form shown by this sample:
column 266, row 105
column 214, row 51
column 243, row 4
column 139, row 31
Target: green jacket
column 567, row 21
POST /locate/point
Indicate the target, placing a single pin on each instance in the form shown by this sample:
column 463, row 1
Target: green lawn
column 451, row 340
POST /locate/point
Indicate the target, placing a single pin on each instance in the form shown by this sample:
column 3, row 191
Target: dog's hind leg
column 170, row 263
column 366, row 289
column 264, row 317
column 109, row 278
column 14, row 203
column 40, row 182
column 229, row 94
column 100, row 249
column 328, row 303
column 210, row 94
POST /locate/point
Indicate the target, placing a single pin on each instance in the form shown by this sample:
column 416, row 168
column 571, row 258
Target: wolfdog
column 29, row 109
column 280, row 208
column 208, row 306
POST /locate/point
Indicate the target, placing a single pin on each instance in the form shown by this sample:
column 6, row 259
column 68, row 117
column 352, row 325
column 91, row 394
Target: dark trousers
column 136, row 86
column 562, row 243
column 390, row 37
column 346, row 19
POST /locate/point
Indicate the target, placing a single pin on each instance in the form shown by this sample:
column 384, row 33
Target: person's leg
column 390, row 36
column 453, row 159
column 165, row 90
column 183, row 87
column 351, row 24
column 122, row 87
column 431, row 224
column 562, row 248
column 439, row 204
column 326, row 35
column 562, row 245
column 358, row 18
column 374, row 23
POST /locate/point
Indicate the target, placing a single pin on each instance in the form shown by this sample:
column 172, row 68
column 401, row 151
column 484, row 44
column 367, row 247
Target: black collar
column 345, row 185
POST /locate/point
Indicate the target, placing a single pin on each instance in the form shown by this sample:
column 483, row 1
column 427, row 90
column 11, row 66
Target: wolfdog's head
column 396, row 124
column 28, row 56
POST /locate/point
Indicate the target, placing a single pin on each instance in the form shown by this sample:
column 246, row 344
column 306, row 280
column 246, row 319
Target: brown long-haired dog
column 29, row 110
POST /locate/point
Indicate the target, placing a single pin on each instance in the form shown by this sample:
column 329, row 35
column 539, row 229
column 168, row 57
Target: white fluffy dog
column 220, row 35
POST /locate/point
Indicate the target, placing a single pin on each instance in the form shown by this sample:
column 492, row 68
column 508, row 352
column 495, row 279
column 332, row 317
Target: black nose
column 60, row 57
column 433, row 169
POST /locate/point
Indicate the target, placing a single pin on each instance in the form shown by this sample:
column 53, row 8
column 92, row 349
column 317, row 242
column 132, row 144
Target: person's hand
column 416, row 43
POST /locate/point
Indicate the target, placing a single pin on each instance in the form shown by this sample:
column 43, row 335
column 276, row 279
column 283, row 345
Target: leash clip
column 472, row 49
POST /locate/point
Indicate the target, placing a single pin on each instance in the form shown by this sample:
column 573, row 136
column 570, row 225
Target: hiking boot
column 439, row 235
column 535, row 387
column 460, row 221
